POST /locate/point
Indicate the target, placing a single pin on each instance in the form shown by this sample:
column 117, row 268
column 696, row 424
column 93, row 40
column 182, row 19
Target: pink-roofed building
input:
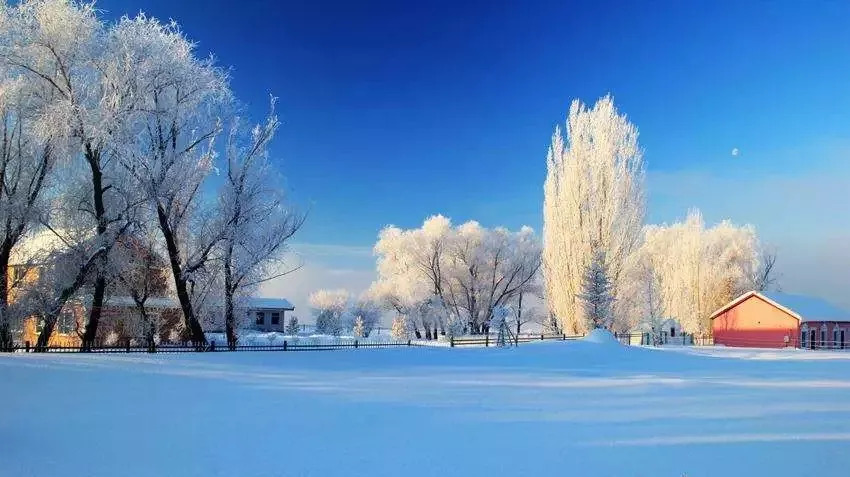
column 778, row 320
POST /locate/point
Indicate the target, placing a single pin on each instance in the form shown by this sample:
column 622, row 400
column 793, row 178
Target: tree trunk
column 90, row 334
column 93, row 158
column 7, row 341
column 199, row 340
column 229, row 318
column 150, row 327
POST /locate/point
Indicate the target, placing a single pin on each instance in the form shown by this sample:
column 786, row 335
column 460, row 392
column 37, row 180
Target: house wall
column 755, row 323
column 831, row 341
column 267, row 319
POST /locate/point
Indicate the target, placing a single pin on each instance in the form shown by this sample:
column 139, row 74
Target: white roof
column 804, row 308
column 261, row 302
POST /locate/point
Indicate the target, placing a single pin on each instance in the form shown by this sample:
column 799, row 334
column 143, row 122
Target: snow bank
column 601, row 336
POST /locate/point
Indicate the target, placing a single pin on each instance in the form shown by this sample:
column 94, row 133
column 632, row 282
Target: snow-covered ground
column 549, row 408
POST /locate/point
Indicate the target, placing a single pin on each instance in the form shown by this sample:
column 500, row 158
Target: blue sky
column 393, row 111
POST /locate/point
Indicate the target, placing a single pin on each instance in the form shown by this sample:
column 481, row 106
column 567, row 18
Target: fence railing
column 488, row 340
column 128, row 347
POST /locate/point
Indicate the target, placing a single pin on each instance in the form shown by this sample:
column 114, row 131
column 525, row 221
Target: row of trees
column 445, row 279
column 111, row 133
column 602, row 266
column 335, row 311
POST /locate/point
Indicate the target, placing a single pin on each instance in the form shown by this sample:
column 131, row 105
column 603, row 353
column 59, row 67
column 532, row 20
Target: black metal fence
column 130, row 347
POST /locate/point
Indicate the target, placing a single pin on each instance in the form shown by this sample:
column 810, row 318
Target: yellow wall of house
column 29, row 331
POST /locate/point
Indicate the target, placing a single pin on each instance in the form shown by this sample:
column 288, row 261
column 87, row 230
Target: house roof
column 804, row 308
column 261, row 302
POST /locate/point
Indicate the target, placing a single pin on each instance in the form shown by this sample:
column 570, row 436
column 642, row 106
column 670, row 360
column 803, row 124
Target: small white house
column 669, row 329
column 267, row 314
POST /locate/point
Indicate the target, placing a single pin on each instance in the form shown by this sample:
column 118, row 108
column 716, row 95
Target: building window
column 275, row 318
column 66, row 323
column 261, row 318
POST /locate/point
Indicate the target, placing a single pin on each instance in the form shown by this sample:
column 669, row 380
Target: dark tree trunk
column 150, row 327
column 416, row 331
column 196, row 332
column 90, row 334
column 93, row 158
column 229, row 318
column 7, row 341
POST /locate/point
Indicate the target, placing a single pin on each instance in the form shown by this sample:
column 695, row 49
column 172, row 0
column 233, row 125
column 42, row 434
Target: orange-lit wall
column 755, row 323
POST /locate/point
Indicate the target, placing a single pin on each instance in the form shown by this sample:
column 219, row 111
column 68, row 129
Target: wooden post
column 451, row 342
column 27, row 346
column 541, row 337
column 408, row 342
column 284, row 345
column 487, row 340
column 565, row 337
column 128, row 345
column 355, row 344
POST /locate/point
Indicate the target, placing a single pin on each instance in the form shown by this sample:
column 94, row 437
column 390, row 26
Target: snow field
column 545, row 408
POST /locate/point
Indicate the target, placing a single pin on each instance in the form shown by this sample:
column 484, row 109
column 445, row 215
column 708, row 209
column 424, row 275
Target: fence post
column 564, row 338
column 128, row 345
column 541, row 337
column 355, row 344
column 408, row 342
column 487, row 340
column 27, row 346
column 284, row 345
column 451, row 342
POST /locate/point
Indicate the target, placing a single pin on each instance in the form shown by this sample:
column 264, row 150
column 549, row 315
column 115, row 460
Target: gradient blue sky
column 397, row 110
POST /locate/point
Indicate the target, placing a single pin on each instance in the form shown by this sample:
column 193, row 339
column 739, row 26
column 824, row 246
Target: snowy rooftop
column 809, row 308
column 261, row 302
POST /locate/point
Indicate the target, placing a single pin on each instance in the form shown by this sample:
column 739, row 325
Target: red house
column 777, row 320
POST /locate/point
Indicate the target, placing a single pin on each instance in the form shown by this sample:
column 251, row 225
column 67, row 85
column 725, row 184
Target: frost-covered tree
column 488, row 269
column 367, row 312
column 641, row 302
column 410, row 270
column 359, row 328
column 330, row 307
column 440, row 271
column 257, row 224
column 597, row 296
column 292, row 326
column 170, row 147
column 699, row 269
column 65, row 52
column 27, row 157
column 398, row 329
column 594, row 199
